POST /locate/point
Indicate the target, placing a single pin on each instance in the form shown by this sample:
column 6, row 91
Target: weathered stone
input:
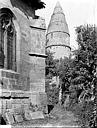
column 35, row 98
column 9, row 118
column 3, row 73
column 17, row 76
column 6, row 94
column 4, row 83
column 10, row 87
column 11, row 81
column 37, row 115
column 8, row 74
column 17, row 94
column 4, row 104
column 43, row 98
column 16, row 107
column 18, row 118
column 27, row 115
column 18, row 110
column 13, row 94
column 15, row 87
column 30, row 37
column 16, row 101
column 8, row 104
column 26, row 101
column 60, row 36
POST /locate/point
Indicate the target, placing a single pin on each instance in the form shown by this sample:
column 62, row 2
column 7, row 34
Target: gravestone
column 9, row 117
column 18, row 118
column 37, row 115
column 27, row 115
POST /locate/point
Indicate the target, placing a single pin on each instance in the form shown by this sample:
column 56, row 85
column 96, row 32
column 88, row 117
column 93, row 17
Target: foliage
column 50, row 65
column 37, row 4
column 83, row 74
column 59, row 68
column 51, row 71
column 52, row 93
column 79, row 76
column 64, row 74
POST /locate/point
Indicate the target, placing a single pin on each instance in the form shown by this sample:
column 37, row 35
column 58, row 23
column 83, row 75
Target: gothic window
column 8, row 38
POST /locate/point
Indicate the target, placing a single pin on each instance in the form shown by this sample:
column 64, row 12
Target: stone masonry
column 58, row 37
column 24, row 88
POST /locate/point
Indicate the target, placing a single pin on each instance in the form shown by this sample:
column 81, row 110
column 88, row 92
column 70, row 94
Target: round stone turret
column 58, row 37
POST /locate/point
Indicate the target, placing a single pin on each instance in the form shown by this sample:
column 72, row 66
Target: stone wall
column 11, row 88
column 25, row 87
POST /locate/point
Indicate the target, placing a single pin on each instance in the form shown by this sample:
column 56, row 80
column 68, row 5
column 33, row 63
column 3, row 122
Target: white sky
column 77, row 12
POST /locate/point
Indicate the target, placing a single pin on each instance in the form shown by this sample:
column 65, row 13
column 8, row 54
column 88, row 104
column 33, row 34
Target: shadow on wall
column 2, row 121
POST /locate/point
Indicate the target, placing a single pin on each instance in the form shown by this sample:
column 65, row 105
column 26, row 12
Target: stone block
column 4, row 104
column 8, row 74
column 11, row 81
column 15, row 87
column 20, row 87
column 13, row 94
column 16, row 106
column 18, row 118
column 27, row 115
column 35, row 98
column 26, row 101
column 6, row 94
column 9, row 117
column 3, row 73
column 17, row 76
column 43, row 98
column 8, row 104
column 17, row 82
column 18, row 110
column 17, row 101
column 25, row 106
column 37, row 115
column 4, row 83
column 18, row 94
column 10, row 87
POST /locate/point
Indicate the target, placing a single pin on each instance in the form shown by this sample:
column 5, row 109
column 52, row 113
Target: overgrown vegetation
column 78, row 76
column 51, row 71
column 83, row 84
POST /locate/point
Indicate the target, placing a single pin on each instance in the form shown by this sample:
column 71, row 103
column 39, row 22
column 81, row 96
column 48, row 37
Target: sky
column 77, row 12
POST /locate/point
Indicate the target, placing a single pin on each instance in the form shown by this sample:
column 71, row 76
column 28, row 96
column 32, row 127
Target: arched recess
column 8, row 38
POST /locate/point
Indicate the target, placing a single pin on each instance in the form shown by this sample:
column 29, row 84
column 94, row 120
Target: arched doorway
column 8, row 38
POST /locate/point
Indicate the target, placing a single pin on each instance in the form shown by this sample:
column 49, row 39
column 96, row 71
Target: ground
column 58, row 117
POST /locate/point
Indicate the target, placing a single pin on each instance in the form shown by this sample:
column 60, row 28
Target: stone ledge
column 9, row 74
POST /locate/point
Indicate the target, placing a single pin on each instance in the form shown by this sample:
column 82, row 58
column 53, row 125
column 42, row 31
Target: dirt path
column 65, row 119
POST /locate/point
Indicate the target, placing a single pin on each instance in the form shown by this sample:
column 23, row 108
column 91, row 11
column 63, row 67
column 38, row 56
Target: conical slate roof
column 58, row 21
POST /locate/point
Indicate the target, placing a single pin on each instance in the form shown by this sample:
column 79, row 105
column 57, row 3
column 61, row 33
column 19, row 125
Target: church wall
column 29, row 86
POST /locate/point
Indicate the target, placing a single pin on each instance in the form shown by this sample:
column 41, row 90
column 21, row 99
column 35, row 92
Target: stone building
column 58, row 42
column 58, row 37
column 22, row 38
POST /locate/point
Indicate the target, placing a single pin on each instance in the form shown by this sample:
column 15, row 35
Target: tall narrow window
column 8, row 39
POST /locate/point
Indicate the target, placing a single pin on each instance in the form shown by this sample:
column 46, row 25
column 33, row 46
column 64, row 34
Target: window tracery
column 8, row 40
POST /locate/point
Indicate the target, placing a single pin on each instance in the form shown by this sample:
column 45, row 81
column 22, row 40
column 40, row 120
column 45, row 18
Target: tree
column 83, row 73
column 49, row 64
column 51, row 71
